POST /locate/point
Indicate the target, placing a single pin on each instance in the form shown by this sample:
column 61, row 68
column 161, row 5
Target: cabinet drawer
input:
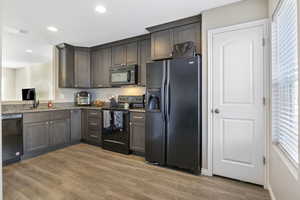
column 36, row 117
column 60, row 114
column 137, row 117
column 94, row 124
column 94, row 114
column 94, row 135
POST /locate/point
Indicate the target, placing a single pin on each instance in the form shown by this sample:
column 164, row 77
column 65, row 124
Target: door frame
column 265, row 23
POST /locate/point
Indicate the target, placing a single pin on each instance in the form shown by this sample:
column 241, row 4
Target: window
column 285, row 79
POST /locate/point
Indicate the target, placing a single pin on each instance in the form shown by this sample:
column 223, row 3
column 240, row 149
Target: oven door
column 123, row 75
column 115, row 130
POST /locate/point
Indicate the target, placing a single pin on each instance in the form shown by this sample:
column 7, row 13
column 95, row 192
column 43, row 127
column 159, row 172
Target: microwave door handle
column 128, row 76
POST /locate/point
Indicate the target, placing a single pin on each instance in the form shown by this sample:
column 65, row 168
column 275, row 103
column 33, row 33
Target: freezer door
column 155, row 138
column 183, row 89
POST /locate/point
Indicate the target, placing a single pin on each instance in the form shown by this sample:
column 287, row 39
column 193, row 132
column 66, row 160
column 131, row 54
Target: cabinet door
column 35, row 136
column 161, row 45
column 132, row 53
column 65, row 66
column 82, row 68
column 59, row 132
column 137, row 132
column 119, row 56
column 144, row 57
column 100, row 66
column 75, row 126
column 191, row 32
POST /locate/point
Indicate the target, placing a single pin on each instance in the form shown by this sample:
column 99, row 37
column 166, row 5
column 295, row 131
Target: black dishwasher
column 12, row 138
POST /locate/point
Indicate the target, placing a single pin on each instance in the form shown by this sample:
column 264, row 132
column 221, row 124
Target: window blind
column 285, row 79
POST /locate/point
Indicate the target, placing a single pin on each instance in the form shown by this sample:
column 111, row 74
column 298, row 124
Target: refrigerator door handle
column 163, row 92
column 168, row 91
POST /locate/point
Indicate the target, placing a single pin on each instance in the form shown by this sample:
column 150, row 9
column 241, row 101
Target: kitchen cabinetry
column 59, row 131
column 35, row 136
column 75, row 126
column 161, row 44
column 82, row 67
column 165, row 36
column 132, row 53
column 93, row 126
column 100, row 66
column 144, row 57
column 126, row 54
column 190, row 32
column 137, row 132
column 119, row 56
column 44, row 131
column 65, row 66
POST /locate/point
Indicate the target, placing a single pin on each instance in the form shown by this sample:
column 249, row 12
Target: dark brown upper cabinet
column 82, row 67
column 165, row 36
column 190, row 32
column 132, row 53
column 119, row 56
column 100, row 66
column 161, row 44
column 126, row 54
column 144, row 57
column 65, row 66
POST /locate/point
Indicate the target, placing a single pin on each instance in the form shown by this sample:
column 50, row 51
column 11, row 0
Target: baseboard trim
column 205, row 172
column 271, row 193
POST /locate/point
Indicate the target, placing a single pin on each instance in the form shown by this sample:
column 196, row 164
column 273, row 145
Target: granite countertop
column 46, row 109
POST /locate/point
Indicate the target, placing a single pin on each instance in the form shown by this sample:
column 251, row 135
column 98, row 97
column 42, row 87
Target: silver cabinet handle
column 94, row 136
column 100, row 85
column 93, row 124
column 138, row 117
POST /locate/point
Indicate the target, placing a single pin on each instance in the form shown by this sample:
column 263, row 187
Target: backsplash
column 105, row 93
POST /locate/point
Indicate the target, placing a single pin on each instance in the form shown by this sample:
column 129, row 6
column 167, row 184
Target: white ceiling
column 79, row 24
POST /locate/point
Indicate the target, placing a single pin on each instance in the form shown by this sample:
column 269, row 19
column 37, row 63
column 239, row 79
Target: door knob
column 217, row 111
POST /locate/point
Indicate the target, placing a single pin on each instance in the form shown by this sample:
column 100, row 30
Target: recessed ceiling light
column 52, row 28
column 100, row 9
column 28, row 51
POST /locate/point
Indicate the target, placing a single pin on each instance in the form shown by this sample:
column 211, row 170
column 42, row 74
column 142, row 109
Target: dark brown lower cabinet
column 92, row 126
column 59, row 131
column 137, row 132
column 45, row 131
column 35, row 136
column 76, row 126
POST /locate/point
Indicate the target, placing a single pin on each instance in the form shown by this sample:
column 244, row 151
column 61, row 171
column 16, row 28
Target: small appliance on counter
column 116, row 127
column 83, row 98
column 29, row 94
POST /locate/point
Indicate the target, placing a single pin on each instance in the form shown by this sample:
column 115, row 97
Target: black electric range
column 116, row 124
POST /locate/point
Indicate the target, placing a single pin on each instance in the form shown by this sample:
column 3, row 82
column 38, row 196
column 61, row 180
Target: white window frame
column 284, row 153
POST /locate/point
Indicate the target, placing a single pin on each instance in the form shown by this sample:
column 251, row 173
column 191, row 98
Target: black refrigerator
column 173, row 113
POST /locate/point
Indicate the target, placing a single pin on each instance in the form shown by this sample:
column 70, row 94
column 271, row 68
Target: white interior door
column 238, row 109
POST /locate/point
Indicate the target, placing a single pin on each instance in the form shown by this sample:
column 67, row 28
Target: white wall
column 8, row 84
column 35, row 76
column 241, row 12
column 283, row 183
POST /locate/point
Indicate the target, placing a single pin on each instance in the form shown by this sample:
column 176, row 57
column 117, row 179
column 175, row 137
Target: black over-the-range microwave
column 126, row 75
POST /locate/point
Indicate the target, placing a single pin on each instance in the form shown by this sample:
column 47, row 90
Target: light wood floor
column 88, row 172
